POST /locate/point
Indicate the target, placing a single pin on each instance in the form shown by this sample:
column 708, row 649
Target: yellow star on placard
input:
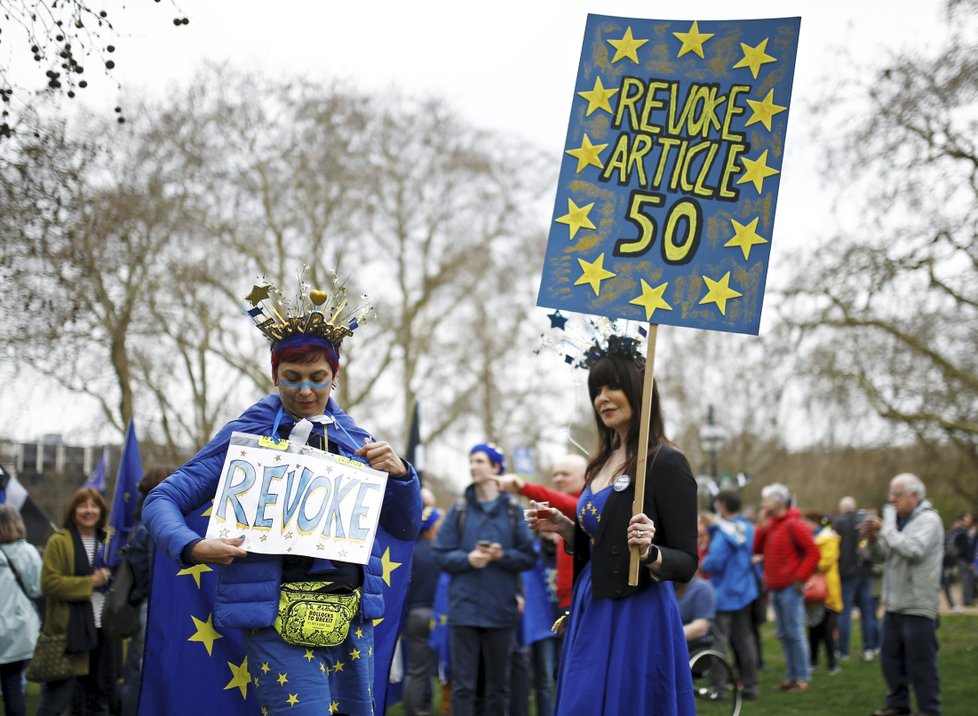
column 355, row 654
column 389, row 566
column 745, row 236
column 587, row 154
column 241, row 679
column 719, row 293
column 692, row 40
column 757, row 171
column 754, row 57
column 205, row 634
column 333, row 707
column 292, row 700
column 763, row 111
column 594, row 274
column 626, row 47
column 196, row 571
column 597, row 98
column 282, row 679
column 576, row 217
column 651, row 299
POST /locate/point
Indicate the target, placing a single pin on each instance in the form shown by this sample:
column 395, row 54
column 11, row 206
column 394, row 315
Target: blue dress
column 622, row 656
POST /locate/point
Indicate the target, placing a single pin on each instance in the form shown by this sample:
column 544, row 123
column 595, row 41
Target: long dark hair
column 625, row 373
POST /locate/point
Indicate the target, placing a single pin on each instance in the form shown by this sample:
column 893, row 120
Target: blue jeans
column 789, row 616
column 12, row 685
column 857, row 593
column 908, row 656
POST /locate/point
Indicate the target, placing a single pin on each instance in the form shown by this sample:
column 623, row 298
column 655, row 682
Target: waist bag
column 315, row 614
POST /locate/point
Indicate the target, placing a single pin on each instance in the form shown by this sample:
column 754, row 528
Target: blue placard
column 665, row 204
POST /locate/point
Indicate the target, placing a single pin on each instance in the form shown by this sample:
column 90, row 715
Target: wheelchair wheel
column 714, row 685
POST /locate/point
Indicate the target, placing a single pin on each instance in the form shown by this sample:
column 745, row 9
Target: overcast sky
column 508, row 66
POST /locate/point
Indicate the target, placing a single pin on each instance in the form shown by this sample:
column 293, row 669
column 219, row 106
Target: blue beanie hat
column 495, row 454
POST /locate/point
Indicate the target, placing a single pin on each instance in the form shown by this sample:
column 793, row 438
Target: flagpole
column 638, row 505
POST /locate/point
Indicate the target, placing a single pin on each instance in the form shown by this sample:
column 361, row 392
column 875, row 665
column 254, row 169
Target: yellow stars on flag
column 338, row 667
column 265, row 668
column 754, row 57
column 195, row 572
column 333, row 707
column 389, row 566
column 355, row 654
column 757, row 171
column 359, row 633
column 282, row 679
column 651, row 299
column 764, row 110
column 719, row 293
column 597, row 97
column 576, row 217
column 309, row 656
column 626, row 46
column 692, row 40
column 292, row 700
column 241, row 678
column 587, row 154
column 745, row 236
column 205, row 634
column 322, row 668
column 264, row 711
column 593, row 274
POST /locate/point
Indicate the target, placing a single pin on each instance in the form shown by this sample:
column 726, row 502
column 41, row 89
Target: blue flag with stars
column 123, row 515
column 664, row 211
column 189, row 667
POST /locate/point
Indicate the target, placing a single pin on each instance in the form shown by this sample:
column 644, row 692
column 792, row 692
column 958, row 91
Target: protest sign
column 296, row 500
column 666, row 197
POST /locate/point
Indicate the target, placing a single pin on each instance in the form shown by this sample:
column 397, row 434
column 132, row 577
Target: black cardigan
column 670, row 502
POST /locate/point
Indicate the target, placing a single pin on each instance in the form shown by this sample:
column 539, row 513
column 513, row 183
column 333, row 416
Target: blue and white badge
column 622, row 483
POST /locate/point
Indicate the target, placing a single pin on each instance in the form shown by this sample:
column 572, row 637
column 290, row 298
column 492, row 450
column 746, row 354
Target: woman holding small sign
column 307, row 623
column 624, row 650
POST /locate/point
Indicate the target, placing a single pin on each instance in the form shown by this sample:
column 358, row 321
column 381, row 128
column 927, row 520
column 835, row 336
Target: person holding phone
column 483, row 544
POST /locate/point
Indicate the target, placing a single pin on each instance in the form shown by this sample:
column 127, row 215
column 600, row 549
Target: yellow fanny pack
column 315, row 614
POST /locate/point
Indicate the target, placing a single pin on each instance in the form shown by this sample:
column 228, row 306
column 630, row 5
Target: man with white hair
column 912, row 548
column 856, row 574
column 790, row 558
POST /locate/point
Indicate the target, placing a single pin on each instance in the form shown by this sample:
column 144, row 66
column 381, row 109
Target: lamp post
column 712, row 437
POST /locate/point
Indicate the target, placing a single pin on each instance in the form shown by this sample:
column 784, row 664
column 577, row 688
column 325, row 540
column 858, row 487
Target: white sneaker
column 868, row 655
column 957, row 608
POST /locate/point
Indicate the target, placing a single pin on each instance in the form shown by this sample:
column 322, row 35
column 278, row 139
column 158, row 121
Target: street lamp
column 712, row 437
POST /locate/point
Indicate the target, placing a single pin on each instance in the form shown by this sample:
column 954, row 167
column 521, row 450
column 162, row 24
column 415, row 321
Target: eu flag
column 124, row 500
column 97, row 478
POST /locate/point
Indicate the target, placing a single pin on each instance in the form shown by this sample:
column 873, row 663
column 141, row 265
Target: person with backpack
column 483, row 544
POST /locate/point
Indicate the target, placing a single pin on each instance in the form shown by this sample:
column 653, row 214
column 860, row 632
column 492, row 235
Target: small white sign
column 296, row 500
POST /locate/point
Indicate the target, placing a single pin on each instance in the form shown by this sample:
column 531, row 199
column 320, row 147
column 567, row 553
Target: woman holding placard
column 624, row 649
column 306, row 621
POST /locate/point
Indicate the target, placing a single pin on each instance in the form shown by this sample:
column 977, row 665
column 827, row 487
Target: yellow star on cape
column 651, row 299
column 745, row 236
column 241, row 679
column 337, row 667
column 292, row 700
column 576, row 217
column 264, row 711
column 282, row 679
column 763, row 111
column 692, row 40
column 205, row 634
column 355, row 654
column 258, row 293
column 597, row 98
column 757, row 171
column 626, row 47
column 207, row 512
column 594, row 274
column 333, row 707
column 359, row 633
column 754, row 57
column 196, row 571
column 389, row 566
column 376, row 622
column 322, row 667
column 265, row 667
column 443, row 619
column 308, row 656
column 719, row 293
column 587, row 154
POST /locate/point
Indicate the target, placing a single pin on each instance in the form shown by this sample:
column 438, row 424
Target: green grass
column 856, row 691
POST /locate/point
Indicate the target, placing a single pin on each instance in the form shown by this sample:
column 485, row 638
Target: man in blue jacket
column 728, row 563
column 305, row 362
column 484, row 544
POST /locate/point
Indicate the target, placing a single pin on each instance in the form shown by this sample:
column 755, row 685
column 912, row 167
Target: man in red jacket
column 790, row 557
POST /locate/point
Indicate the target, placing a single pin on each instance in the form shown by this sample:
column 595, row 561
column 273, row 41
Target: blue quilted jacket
column 248, row 589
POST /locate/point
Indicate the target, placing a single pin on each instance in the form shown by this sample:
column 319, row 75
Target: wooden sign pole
column 643, row 447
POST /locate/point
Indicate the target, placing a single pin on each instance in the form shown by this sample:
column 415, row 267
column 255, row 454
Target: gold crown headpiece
column 323, row 313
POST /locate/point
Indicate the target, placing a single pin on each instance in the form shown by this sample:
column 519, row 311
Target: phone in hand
column 483, row 544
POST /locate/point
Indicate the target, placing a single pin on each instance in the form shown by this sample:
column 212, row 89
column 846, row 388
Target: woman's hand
column 549, row 519
column 381, row 456
column 218, row 551
column 100, row 577
column 641, row 530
